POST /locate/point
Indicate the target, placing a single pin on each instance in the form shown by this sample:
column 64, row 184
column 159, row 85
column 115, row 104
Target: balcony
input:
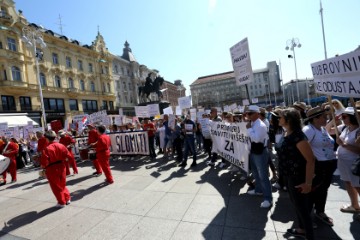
column 5, row 16
column 14, row 87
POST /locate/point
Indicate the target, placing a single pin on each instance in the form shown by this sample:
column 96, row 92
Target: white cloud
column 212, row 5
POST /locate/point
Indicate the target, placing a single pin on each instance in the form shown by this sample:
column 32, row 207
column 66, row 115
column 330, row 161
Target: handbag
column 355, row 167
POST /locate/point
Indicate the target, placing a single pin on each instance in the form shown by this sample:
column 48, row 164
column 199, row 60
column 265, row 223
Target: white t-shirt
column 321, row 142
column 349, row 138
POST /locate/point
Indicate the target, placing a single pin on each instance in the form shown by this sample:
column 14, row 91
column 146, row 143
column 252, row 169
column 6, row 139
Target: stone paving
column 157, row 200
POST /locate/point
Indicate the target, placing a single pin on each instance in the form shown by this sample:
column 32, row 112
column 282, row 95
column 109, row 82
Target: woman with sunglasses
column 296, row 164
column 348, row 151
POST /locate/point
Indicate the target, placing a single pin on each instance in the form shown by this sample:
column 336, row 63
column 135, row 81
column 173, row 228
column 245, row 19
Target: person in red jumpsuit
column 9, row 149
column 103, row 145
column 69, row 143
column 93, row 138
column 53, row 160
column 42, row 144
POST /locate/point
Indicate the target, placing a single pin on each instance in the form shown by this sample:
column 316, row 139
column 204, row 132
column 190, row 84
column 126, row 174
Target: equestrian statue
column 150, row 87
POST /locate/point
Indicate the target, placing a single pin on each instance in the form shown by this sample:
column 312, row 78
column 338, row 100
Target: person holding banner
column 102, row 146
column 69, row 143
column 215, row 118
column 257, row 132
column 150, row 128
column 189, row 129
column 296, row 164
column 93, row 137
column 348, row 151
column 53, row 159
column 9, row 149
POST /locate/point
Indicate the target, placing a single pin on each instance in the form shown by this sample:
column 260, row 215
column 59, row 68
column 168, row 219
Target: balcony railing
column 13, row 83
column 5, row 15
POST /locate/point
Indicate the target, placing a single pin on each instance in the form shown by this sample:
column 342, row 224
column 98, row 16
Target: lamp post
column 291, row 44
column 31, row 37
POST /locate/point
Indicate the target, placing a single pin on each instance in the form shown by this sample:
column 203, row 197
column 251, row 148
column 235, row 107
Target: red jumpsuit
column 103, row 154
column 11, row 152
column 68, row 142
column 92, row 138
column 53, row 160
column 42, row 144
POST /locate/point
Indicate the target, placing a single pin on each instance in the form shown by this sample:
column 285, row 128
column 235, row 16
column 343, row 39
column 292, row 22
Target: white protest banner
column 219, row 110
column 199, row 114
column 168, row 110
column 153, row 109
column 3, row 126
column 97, row 117
column 227, row 108
column 205, row 129
column 184, row 102
column 121, row 112
column 16, row 132
column 240, row 57
column 141, row 111
column 106, row 120
column 178, row 110
column 231, row 141
column 338, row 76
column 127, row 120
column 201, row 109
column 9, row 132
column 79, row 118
column 118, row 120
column 130, row 143
column 28, row 130
column 193, row 114
column 233, row 106
column 245, row 102
column 171, row 121
column 254, row 100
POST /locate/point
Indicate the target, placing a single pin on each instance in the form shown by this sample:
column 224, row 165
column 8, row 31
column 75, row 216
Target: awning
column 16, row 120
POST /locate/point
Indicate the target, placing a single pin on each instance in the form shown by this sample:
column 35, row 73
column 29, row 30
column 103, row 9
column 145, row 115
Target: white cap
column 253, row 108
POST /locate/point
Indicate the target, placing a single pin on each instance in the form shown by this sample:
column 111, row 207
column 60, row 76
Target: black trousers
column 300, row 202
column 207, row 146
column 178, row 144
column 152, row 147
column 323, row 175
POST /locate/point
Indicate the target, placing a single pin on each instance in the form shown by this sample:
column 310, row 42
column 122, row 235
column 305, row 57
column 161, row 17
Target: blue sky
column 186, row 39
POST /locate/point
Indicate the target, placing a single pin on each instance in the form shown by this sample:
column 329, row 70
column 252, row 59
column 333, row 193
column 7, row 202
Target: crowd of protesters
column 302, row 146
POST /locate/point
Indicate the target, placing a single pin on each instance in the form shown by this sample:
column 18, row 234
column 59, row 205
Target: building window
column 16, row 74
column 55, row 58
column 92, row 86
column 117, row 83
column 71, row 83
column 90, row 67
column 73, row 104
column 54, row 104
column 108, row 87
column 39, row 54
column 89, row 105
column 116, row 70
column 42, row 79
column 80, row 65
column 104, row 105
column 11, row 44
column 103, row 87
column 25, row 103
column 8, row 103
column 1, row 46
column 82, row 85
column 68, row 62
column 57, row 81
column 111, row 105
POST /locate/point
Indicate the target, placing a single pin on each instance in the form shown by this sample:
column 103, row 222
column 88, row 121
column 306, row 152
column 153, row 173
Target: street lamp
column 291, row 44
column 31, row 37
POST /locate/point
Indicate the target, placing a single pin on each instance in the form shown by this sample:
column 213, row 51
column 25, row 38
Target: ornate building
column 75, row 78
column 173, row 91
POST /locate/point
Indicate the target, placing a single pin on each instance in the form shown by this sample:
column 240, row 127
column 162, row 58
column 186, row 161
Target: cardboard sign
column 240, row 57
column 245, row 102
column 168, row 110
column 184, row 102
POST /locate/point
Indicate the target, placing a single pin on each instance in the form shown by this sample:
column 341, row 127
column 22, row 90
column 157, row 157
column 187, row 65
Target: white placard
column 168, row 110
column 207, row 111
column 339, row 76
column 233, row 106
column 9, row 132
column 97, row 117
column 231, row 142
column 178, row 110
column 153, row 110
column 240, row 56
column 184, row 102
column 189, row 127
column 121, row 112
column 201, row 110
column 127, row 120
column 245, row 102
column 255, row 100
column 28, row 130
column 3, row 126
column 66, row 125
column 119, row 120
column 106, row 120
column 171, row 121
column 79, row 118
column 199, row 114
column 205, row 129
column 141, row 111
column 193, row 114
column 227, row 108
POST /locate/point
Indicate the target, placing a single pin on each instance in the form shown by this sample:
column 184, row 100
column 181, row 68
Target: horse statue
column 151, row 86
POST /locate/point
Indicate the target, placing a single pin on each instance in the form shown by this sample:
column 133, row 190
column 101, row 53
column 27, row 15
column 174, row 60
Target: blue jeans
column 189, row 143
column 260, row 170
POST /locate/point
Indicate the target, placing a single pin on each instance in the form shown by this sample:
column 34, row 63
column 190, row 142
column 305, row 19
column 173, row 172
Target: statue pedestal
column 162, row 105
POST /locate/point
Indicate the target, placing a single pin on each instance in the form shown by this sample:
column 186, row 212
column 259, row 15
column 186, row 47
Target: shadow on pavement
column 79, row 194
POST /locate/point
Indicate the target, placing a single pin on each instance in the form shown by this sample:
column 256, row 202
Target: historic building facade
column 172, row 91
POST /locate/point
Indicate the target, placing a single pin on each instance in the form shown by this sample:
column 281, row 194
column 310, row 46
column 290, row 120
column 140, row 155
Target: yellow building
column 75, row 78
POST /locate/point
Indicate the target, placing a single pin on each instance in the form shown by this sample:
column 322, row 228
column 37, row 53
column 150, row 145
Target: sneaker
column 210, row 163
column 253, row 193
column 265, row 204
column 98, row 174
column 221, row 165
column 68, row 202
column 60, row 205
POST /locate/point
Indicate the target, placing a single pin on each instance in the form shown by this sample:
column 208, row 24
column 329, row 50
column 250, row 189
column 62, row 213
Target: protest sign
column 233, row 106
column 168, row 110
column 97, row 116
column 227, row 108
column 171, row 121
column 231, row 142
column 240, row 56
column 193, row 114
column 153, row 110
column 184, row 102
column 205, row 129
column 338, row 76
column 245, row 102
column 118, row 120
column 121, row 112
column 178, row 110
column 141, row 111
column 254, row 100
